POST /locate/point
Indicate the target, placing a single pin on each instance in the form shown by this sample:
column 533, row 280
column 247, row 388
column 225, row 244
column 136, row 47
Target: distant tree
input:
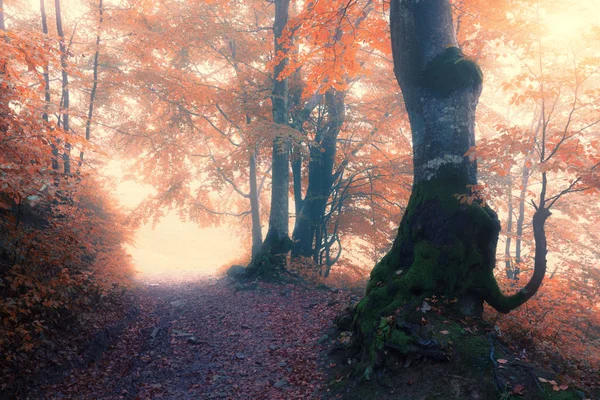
column 65, row 99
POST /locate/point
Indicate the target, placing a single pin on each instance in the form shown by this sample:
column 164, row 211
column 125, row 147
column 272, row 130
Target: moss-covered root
column 264, row 266
column 444, row 247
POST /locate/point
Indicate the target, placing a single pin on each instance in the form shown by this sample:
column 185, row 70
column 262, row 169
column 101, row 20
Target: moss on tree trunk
column 443, row 248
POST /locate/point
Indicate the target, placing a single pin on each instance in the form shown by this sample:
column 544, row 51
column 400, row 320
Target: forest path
column 214, row 339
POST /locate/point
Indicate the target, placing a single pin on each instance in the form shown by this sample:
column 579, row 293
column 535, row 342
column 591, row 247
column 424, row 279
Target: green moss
column 474, row 351
column 454, row 259
column 400, row 341
column 369, row 309
column 422, row 273
column 450, row 71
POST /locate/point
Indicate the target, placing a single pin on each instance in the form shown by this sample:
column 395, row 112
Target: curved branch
column 504, row 304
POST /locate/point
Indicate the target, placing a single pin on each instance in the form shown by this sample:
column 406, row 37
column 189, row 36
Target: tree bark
column 277, row 241
column 521, row 221
column 254, row 208
column 88, row 122
column 445, row 246
column 508, row 262
column 46, row 74
column 307, row 234
column 65, row 85
column 2, row 26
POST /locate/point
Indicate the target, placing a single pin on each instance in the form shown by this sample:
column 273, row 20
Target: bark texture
column 309, row 230
column 46, row 75
column 277, row 241
column 255, row 207
column 445, row 246
column 2, row 26
column 88, row 122
column 65, row 101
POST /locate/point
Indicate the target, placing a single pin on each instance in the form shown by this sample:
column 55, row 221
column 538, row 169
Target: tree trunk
column 88, row 122
column 2, row 26
column 65, row 85
column 277, row 242
column 295, row 97
column 307, row 232
column 297, row 179
column 254, row 208
column 46, row 74
column 521, row 221
column 445, row 246
column 509, row 266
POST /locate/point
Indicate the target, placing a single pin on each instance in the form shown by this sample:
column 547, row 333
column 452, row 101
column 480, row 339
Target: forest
column 294, row 199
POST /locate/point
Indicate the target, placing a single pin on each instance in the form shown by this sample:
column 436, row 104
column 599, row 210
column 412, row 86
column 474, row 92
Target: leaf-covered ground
column 213, row 339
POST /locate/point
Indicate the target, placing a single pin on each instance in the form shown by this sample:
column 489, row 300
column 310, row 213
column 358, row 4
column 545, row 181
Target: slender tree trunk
column 510, row 272
column 297, row 179
column 88, row 123
column 2, row 26
column 295, row 97
column 255, row 208
column 46, row 74
column 65, row 85
column 521, row 221
column 277, row 241
column 308, row 232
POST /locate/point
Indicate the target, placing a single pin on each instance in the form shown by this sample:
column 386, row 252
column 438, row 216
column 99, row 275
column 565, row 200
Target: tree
column 446, row 242
column 88, row 122
column 310, row 231
column 277, row 241
column 65, row 99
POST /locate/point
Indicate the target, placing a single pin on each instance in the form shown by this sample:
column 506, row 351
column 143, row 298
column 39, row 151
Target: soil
column 220, row 339
column 213, row 339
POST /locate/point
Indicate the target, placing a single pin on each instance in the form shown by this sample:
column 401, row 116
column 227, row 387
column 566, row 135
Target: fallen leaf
column 519, row 389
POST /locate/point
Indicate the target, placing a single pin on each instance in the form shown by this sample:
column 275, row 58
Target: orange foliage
column 184, row 95
column 62, row 259
column 560, row 325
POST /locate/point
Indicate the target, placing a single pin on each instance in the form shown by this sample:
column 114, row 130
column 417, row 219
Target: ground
column 213, row 339
column 221, row 339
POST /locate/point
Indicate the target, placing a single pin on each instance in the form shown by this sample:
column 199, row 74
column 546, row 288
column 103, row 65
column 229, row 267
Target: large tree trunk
column 277, row 242
column 445, row 246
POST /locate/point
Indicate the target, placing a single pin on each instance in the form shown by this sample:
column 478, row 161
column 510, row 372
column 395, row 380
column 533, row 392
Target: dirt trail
column 214, row 339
